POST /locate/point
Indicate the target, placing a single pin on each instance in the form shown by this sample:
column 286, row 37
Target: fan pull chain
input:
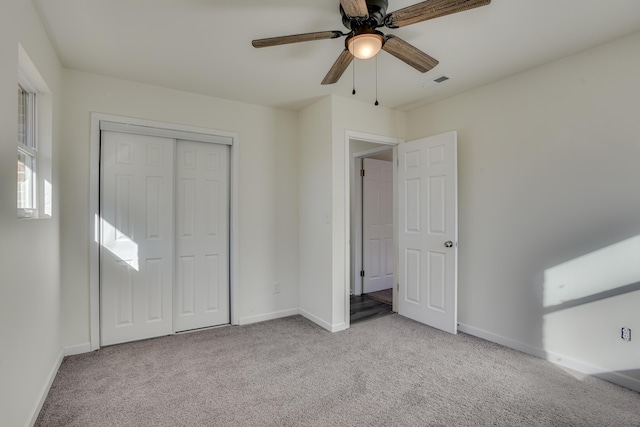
column 354, row 76
column 376, row 103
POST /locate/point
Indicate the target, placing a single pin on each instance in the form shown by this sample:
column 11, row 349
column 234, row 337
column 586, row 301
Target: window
column 27, row 154
column 34, row 141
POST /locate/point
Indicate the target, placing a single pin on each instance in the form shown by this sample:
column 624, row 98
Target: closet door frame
column 172, row 131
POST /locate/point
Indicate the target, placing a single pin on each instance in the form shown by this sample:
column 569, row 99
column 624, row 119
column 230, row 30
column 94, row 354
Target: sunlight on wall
column 587, row 301
column 48, row 198
column 603, row 270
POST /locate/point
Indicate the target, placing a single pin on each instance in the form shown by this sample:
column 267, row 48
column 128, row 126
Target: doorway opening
column 425, row 230
column 371, row 220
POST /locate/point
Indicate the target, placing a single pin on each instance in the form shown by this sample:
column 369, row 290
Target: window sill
column 30, row 214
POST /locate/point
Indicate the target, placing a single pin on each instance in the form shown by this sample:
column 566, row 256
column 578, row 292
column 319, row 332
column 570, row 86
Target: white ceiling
column 204, row 46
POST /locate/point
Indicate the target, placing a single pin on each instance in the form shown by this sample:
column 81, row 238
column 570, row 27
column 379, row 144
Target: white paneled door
column 136, row 257
column 377, row 225
column 427, row 231
column 202, row 235
column 164, row 255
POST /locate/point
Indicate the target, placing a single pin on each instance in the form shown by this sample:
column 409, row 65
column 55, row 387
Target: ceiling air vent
column 433, row 82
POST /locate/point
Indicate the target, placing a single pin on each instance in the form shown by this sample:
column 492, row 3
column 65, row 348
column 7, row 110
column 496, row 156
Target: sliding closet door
column 165, row 236
column 202, row 235
column 136, row 256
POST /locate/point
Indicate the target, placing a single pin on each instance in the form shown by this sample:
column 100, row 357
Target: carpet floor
column 389, row 371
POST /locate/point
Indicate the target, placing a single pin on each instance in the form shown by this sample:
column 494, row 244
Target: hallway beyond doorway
column 363, row 307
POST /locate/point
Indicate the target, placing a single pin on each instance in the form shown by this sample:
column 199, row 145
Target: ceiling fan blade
column 428, row 10
column 355, row 8
column 409, row 54
column 297, row 38
column 338, row 68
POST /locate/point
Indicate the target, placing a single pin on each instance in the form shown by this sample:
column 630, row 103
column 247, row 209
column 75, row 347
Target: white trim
column 77, row 349
column 556, row 358
column 371, row 137
column 234, row 233
column 371, row 152
column 499, row 339
column 165, row 133
column 612, row 377
column 356, row 212
column 206, row 328
column 94, row 233
column 339, row 327
column 378, row 139
column 45, row 389
column 326, row 325
column 269, row 316
column 94, row 193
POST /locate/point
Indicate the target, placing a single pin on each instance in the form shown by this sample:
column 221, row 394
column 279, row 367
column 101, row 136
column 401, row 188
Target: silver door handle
column 448, row 244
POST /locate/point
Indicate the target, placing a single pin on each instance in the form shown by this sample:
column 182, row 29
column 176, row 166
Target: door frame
column 348, row 183
column 94, row 209
column 358, row 210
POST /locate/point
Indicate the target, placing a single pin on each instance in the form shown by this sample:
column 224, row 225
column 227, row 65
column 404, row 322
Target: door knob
column 448, row 244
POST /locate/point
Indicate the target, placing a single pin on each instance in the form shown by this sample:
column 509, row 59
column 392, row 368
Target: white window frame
column 28, row 148
column 38, row 139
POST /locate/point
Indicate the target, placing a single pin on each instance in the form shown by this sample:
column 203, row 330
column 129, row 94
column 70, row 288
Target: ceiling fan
column 363, row 18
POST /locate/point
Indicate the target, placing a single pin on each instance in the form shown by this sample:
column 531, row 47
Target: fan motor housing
column 377, row 12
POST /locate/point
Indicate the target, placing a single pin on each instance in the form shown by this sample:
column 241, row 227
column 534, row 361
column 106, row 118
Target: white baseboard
column 596, row 371
column 268, row 316
column 315, row 319
column 499, row 339
column 46, row 387
column 77, row 349
column 620, row 379
column 339, row 327
column 326, row 325
column 558, row 359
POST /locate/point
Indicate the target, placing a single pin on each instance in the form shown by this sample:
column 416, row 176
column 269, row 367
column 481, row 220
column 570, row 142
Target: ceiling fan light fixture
column 365, row 46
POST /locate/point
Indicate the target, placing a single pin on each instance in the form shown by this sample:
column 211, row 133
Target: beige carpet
column 389, row 371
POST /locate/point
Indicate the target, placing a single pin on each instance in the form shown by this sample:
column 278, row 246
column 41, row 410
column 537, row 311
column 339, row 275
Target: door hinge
column 361, row 273
column 361, row 172
column 398, row 287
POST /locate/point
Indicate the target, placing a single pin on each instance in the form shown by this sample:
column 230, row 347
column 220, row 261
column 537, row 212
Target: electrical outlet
column 276, row 288
column 625, row 334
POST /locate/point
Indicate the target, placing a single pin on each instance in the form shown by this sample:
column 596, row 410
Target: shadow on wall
column 588, row 302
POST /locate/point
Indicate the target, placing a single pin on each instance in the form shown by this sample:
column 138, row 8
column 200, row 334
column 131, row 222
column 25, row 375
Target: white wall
column 30, row 349
column 268, row 197
column 548, row 174
column 323, row 191
column 314, row 163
